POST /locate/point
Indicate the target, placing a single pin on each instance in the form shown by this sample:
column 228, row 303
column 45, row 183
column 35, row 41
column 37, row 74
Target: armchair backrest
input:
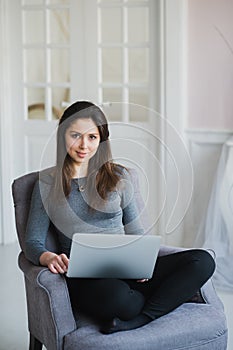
column 22, row 191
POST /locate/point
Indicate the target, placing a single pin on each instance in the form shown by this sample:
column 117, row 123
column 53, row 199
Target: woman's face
column 82, row 140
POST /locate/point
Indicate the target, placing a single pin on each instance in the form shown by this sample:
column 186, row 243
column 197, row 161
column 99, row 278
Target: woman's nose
column 83, row 142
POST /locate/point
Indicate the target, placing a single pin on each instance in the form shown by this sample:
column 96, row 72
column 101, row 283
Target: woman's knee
column 203, row 262
column 123, row 301
column 119, row 291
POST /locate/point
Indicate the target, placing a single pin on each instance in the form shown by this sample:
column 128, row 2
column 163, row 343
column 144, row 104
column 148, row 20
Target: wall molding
column 208, row 136
column 205, row 147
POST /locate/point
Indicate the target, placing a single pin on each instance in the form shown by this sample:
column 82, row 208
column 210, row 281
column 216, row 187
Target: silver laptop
column 113, row 256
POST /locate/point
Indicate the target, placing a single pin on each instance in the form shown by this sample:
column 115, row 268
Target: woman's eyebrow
column 75, row 131
column 87, row 132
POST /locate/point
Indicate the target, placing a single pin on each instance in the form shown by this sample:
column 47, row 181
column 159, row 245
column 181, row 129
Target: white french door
column 102, row 51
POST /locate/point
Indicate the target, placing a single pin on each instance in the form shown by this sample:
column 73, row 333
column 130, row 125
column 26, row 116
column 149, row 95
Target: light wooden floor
column 13, row 319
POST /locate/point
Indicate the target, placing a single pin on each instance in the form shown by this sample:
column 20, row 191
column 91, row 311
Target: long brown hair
column 103, row 174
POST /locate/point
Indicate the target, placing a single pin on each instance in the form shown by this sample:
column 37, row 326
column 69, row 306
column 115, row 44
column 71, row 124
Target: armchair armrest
column 50, row 314
column 30, row 270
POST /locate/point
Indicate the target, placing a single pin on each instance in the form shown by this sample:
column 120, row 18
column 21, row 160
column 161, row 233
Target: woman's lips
column 81, row 155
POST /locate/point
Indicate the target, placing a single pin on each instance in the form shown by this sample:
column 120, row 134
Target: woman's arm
column 132, row 204
column 37, row 227
column 36, row 233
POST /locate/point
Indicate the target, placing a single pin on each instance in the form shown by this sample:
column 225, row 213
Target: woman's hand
column 56, row 263
column 143, row 280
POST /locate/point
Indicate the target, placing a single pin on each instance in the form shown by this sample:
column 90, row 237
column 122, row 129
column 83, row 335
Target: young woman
column 87, row 192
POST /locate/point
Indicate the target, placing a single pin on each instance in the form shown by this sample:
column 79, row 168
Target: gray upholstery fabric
column 50, row 315
column 51, row 321
column 187, row 327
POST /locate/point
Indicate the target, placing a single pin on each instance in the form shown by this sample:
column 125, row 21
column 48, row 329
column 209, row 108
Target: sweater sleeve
column 37, row 227
column 132, row 204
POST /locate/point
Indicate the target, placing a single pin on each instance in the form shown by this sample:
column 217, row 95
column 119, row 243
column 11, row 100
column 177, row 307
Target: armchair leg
column 35, row 344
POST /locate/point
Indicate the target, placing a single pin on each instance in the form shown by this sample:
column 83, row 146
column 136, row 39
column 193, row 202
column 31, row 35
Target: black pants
column 176, row 279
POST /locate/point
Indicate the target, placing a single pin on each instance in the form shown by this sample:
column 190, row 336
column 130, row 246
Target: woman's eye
column 92, row 137
column 75, row 136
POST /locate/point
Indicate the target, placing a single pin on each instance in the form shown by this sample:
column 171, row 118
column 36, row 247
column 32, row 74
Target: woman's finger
column 65, row 260
column 52, row 268
column 60, row 269
column 143, row 280
column 56, row 265
column 60, row 266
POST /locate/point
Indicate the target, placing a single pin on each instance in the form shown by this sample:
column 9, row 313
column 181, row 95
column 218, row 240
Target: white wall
column 210, row 64
column 9, row 99
column 209, row 119
column 205, row 149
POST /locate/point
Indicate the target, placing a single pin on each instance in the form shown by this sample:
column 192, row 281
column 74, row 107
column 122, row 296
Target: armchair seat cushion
column 191, row 326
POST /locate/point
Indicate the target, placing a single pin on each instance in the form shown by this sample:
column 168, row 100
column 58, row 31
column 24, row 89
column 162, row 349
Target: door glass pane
column 138, row 99
column 34, row 65
column 138, row 65
column 32, row 2
column 113, row 112
column 106, row 1
column 59, row 26
column 59, row 95
column 60, row 65
column 33, row 27
column 36, row 103
column 59, row 2
column 137, row 1
column 112, row 95
column 138, row 25
column 111, row 25
column 112, row 65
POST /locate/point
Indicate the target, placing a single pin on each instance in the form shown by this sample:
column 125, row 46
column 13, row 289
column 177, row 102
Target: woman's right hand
column 56, row 263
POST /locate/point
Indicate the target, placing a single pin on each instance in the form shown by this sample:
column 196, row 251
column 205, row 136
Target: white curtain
column 216, row 229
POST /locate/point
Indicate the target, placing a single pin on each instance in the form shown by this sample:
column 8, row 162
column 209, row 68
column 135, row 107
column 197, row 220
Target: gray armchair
column 51, row 321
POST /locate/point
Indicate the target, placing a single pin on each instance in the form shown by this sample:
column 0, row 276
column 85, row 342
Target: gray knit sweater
column 119, row 214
